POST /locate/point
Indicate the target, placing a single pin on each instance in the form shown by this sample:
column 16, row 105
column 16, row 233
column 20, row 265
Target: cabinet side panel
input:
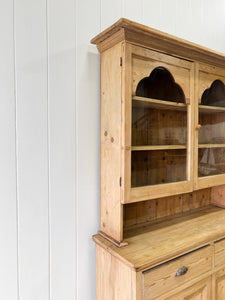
column 115, row 280
column 218, row 196
column 111, row 208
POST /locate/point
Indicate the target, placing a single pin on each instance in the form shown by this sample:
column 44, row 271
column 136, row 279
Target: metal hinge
column 120, row 181
column 121, row 61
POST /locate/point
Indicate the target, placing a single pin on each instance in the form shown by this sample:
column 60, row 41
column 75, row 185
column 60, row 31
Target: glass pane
column 213, row 128
column 211, row 161
column 152, row 126
column 158, row 167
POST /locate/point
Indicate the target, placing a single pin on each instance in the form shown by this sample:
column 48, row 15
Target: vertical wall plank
column 152, row 13
column 87, row 143
column 31, row 86
column 133, row 10
column 168, row 16
column 8, row 211
column 61, row 36
column 184, row 17
column 213, row 23
column 111, row 11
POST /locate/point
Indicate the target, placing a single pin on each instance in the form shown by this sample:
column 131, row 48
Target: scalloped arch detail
column 160, row 85
column 215, row 95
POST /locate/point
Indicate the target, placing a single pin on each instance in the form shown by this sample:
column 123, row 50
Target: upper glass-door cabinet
column 210, row 156
column 158, row 140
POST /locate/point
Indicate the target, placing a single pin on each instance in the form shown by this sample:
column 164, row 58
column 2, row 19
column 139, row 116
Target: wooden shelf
column 158, row 147
column 164, row 239
column 201, row 146
column 210, row 109
column 159, row 104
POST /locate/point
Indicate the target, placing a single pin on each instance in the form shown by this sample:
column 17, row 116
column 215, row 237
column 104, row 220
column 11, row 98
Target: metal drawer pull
column 183, row 270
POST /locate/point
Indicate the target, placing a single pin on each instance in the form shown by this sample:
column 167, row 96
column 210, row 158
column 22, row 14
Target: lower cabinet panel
column 202, row 280
column 220, row 253
column 220, row 285
column 199, row 291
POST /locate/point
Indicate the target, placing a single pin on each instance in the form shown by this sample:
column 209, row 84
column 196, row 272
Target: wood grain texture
column 144, row 61
column 219, row 285
column 162, row 279
column 126, row 109
column 115, row 280
column 199, row 291
column 219, row 253
column 166, row 227
column 169, row 238
column 217, row 195
column 111, row 208
column 158, row 104
column 210, row 181
column 139, row 213
column 159, row 191
column 138, row 64
column 144, row 35
column 211, row 128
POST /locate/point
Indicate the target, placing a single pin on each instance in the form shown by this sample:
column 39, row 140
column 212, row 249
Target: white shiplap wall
column 49, row 130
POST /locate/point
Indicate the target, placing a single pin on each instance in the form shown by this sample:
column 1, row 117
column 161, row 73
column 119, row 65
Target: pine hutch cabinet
column 162, row 227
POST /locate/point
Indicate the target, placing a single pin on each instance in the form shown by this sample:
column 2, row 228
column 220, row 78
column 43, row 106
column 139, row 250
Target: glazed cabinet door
column 158, row 124
column 198, row 291
column 210, row 126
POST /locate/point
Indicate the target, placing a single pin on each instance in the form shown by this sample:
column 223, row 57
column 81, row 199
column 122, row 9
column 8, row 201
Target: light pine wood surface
column 199, row 291
column 160, row 213
column 162, row 279
column 115, row 280
column 219, row 284
column 219, row 253
column 164, row 240
column 144, row 35
column 111, row 208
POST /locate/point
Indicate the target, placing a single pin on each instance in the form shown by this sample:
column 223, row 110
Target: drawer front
column 219, row 253
column 162, row 279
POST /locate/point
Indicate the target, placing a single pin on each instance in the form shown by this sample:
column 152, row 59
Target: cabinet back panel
column 158, row 127
column 157, row 167
column 146, row 211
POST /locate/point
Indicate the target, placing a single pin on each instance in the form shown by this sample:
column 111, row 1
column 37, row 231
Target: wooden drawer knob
column 198, row 126
column 181, row 271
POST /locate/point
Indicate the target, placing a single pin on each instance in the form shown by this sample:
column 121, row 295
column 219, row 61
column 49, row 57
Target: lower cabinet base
column 116, row 280
column 177, row 258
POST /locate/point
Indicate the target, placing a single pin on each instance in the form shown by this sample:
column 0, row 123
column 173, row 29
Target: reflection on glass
column 158, row 127
column 159, row 131
column 213, row 128
column 158, row 167
column 211, row 161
